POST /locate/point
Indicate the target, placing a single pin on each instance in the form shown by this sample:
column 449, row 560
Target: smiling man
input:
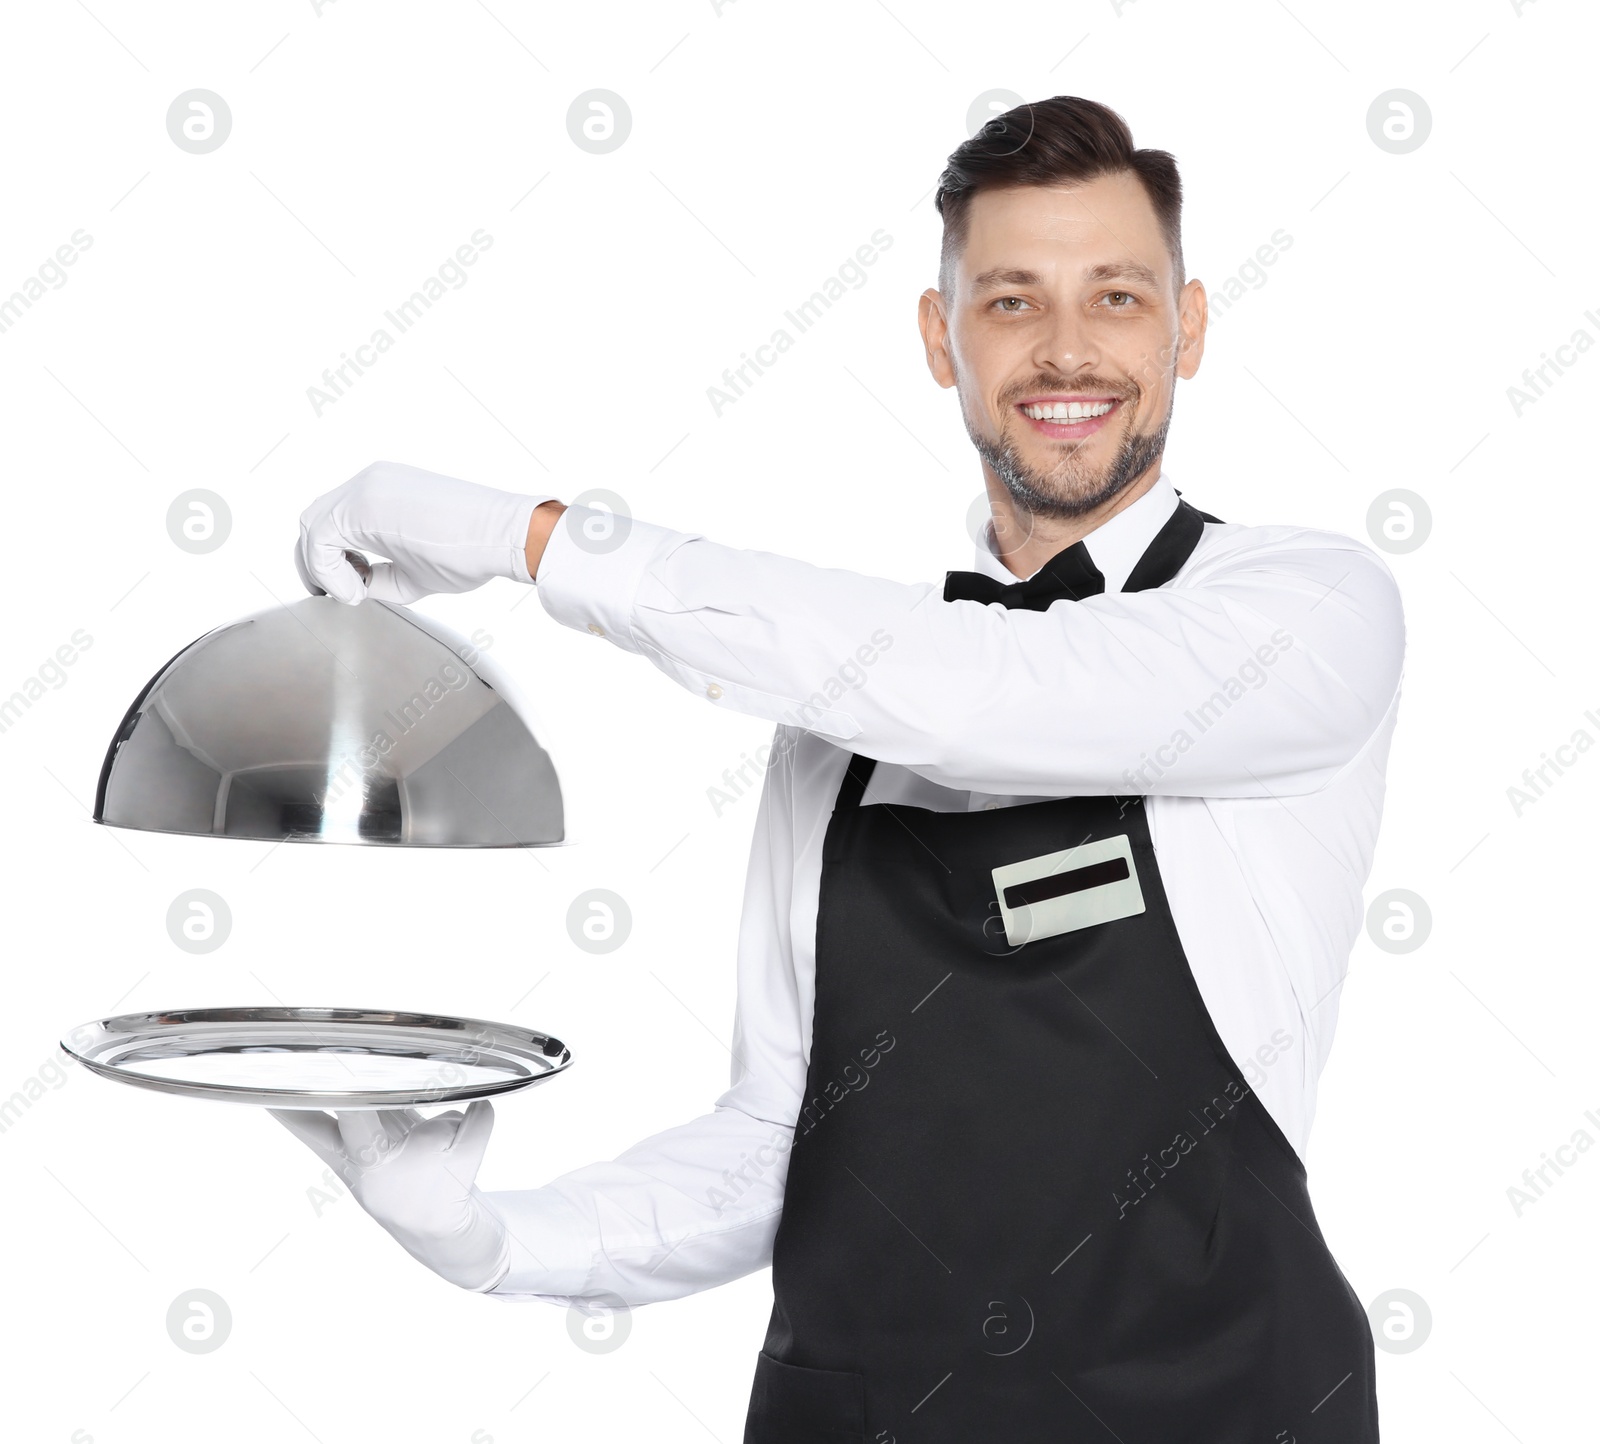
column 1132, row 325
column 1045, row 923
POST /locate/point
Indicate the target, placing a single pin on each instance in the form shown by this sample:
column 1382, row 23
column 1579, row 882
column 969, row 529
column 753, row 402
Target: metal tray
column 340, row 1058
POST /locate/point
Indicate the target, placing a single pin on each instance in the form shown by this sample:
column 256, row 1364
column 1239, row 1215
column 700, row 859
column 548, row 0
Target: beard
column 1070, row 487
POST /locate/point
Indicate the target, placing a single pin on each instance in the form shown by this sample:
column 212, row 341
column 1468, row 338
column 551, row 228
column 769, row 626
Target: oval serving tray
column 339, row 1058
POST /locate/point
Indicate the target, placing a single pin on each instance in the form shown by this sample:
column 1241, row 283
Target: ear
column 935, row 327
column 1193, row 313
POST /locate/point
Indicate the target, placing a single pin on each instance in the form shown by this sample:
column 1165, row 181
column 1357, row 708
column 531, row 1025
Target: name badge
column 1063, row 891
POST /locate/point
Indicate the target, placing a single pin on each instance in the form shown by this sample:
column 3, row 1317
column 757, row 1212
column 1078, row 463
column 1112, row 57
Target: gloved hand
column 440, row 535
column 415, row 1176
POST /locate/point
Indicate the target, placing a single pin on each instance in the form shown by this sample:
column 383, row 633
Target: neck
column 1025, row 542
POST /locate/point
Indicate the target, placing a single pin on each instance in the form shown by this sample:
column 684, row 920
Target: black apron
column 1030, row 1195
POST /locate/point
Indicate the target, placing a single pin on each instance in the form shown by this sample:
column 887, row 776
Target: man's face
column 1064, row 338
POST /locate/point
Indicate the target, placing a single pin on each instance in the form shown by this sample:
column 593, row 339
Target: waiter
column 1045, row 921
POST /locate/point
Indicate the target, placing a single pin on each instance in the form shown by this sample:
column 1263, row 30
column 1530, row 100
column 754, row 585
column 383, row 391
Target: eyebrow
column 998, row 276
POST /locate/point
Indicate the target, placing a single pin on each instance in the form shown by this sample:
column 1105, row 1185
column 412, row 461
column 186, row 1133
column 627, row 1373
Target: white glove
column 440, row 535
column 415, row 1177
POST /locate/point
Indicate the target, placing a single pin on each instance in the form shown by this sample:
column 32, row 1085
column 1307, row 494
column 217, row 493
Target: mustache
column 1095, row 385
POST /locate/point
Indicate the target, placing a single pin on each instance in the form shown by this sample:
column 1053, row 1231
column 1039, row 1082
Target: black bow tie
column 1070, row 573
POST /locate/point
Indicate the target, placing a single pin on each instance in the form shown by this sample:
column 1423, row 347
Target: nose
column 1066, row 343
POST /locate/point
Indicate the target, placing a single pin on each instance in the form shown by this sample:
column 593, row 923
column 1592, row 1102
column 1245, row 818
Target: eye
column 1005, row 304
column 1127, row 298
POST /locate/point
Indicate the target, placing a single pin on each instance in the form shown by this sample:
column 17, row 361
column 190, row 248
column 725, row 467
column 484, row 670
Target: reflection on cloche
column 324, row 722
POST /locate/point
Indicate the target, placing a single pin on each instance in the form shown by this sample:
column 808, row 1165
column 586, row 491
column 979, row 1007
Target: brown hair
column 1064, row 138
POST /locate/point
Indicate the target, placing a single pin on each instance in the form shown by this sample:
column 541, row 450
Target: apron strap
column 1170, row 548
column 856, row 773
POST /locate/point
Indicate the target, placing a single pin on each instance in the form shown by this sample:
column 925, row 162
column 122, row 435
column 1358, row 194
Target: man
column 1044, row 924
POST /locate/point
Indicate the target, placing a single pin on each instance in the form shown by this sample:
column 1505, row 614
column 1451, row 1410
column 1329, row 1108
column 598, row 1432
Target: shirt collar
column 1114, row 546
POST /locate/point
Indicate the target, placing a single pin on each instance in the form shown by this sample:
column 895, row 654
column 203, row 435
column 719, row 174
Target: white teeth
column 1068, row 410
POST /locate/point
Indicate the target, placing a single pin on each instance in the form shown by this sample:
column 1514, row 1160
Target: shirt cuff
column 521, row 521
column 592, row 566
column 551, row 1254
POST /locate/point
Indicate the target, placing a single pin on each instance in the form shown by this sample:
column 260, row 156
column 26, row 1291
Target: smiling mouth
column 1068, row 418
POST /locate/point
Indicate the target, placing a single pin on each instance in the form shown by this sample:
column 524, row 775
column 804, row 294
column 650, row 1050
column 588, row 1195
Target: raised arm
column 1261, row 673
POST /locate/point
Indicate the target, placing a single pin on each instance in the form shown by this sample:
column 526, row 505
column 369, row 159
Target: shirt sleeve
column 1262, row 673
column 696, row 1205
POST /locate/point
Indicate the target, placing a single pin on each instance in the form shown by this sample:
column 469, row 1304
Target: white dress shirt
column 1251, row 701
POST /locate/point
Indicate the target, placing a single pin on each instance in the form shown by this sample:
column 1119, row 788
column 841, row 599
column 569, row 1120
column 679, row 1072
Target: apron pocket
column 794, row 1405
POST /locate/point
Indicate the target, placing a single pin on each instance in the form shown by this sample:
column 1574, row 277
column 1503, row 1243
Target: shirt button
column 713, row 691
column 597, row 629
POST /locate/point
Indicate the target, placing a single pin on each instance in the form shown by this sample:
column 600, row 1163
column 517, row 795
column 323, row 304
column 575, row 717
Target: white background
column 768, row 142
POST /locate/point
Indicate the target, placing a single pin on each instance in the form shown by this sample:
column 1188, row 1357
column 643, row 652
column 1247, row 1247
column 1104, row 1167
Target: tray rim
column 129, row 1026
